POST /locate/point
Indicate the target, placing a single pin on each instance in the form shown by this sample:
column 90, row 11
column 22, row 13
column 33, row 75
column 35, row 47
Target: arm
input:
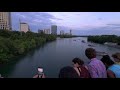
column 36, row 76
column 43, row 76
column 110, row 74
column 86, row 67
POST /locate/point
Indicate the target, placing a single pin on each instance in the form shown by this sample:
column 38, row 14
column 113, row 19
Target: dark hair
column 116, row 55
column 90, row 53
column 106, row 60
column 40, row 67
column 68, row 72
column 77, row 60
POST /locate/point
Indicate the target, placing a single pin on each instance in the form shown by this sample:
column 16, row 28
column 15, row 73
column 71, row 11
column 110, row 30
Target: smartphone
column 40, row 70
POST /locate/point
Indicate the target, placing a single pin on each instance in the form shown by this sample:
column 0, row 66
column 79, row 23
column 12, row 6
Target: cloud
column 34, row 19
column 79, row 22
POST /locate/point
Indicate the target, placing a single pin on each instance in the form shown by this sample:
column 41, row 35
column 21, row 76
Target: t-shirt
column 116, row 69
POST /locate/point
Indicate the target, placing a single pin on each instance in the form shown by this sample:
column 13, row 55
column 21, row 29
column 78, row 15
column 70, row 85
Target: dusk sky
column 81, row 23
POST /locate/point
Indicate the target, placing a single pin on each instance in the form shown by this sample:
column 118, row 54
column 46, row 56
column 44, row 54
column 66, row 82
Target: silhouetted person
column 40, row 73
column 96, row 67
column 68, row 72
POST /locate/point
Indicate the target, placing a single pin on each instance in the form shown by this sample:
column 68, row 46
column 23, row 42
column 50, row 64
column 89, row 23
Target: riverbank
column 115, row 46
column 112, row 40
column 15, row 43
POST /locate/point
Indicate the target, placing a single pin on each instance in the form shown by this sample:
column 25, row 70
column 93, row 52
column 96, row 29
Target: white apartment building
column 24, row 27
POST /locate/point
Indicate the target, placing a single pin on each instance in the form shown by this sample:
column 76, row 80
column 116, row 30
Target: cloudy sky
column 81, row 23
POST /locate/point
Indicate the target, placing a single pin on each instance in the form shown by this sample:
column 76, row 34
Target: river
column 52, row 57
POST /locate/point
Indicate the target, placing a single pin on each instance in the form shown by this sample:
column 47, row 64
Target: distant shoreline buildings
column 47, row 31
column 53, row 30
column 62, row 32
column 70, row 32
column 40, row 31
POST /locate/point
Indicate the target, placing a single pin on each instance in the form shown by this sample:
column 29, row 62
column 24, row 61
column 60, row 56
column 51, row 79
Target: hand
column 36, row 76
column 43, row 76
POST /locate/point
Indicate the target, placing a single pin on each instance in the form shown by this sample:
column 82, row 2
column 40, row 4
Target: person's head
column 77, row 62
column 116, row 57
column 107, row 61
column 90, row 53
column 68, row 72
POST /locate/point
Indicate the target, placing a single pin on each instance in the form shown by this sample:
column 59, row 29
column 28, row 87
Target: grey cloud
column 36, row 20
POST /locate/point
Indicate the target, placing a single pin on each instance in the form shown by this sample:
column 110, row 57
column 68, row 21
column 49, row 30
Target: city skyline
column 81, row 23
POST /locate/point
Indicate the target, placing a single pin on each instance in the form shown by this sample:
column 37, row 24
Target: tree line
column 65, row 36
column 15, row 43
column 104, row 38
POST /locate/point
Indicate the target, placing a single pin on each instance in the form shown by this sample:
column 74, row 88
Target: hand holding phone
column 40, row 72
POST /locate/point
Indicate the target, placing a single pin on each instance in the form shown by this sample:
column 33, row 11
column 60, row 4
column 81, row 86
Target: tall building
column 5, row 21
column 24, row 27
column 47, row 31
column 54, row 29
column 70, row 32
column 61, row 32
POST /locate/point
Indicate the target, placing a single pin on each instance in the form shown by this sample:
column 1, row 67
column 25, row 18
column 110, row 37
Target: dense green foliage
column 104, row 38
column 15, row 43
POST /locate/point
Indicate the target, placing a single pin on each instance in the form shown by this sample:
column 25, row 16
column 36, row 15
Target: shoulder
column 85, row 66
column 113, row 67
column 110, row 74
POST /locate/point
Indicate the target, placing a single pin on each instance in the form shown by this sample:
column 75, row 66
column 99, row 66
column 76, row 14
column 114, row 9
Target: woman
column 80, row 68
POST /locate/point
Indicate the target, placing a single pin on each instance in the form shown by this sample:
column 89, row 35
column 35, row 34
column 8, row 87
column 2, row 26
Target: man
column 96, row 68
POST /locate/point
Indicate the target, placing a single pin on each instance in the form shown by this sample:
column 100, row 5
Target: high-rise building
column 5, row 21
column 54, row 29
column 70, row 32
column 61, row 32
column 24, row 27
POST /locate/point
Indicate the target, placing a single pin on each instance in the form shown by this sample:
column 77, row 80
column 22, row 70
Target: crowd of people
column 103, row 68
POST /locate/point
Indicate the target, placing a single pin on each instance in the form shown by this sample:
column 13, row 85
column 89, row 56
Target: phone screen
column 40, row 70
